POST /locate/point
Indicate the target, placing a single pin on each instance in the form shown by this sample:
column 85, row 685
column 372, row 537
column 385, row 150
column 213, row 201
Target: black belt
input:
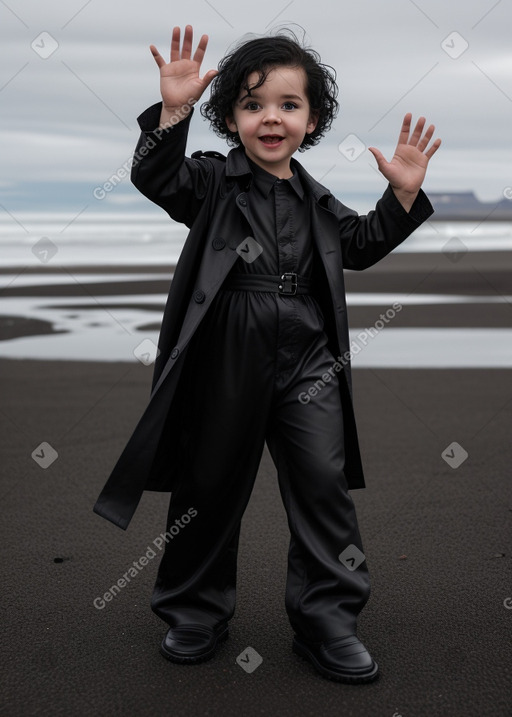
column 287, row 284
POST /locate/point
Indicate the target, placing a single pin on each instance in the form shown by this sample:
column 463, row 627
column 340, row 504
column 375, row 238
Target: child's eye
column 251, row 106
column 290, row 106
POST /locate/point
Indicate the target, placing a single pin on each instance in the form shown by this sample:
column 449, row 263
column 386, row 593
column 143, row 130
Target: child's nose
column 271, row 116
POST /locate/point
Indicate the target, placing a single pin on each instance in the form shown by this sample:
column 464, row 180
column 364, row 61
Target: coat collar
column 237, row 166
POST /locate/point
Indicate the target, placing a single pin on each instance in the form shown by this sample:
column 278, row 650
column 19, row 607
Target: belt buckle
column 289, row 285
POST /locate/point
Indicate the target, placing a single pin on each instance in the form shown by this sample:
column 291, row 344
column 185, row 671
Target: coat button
column 242, row 201
column 218, row 243
column 199, row 296
column 175, row 353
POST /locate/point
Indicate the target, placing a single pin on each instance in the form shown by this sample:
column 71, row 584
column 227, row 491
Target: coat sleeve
column 162, row 172
column 365, row 239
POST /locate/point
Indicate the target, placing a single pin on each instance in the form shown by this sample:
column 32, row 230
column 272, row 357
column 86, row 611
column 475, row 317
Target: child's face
column 273, row 120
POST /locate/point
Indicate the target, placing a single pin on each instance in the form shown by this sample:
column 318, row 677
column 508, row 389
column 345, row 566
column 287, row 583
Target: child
column 254, row 345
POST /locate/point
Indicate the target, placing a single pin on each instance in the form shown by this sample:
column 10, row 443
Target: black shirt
column 278, row 210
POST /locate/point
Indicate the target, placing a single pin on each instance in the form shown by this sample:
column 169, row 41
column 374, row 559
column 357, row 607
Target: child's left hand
column 407, row 169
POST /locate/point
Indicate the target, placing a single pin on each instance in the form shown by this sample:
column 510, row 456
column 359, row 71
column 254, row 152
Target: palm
column 406, row 170
column 179, row 78
column 179, row 81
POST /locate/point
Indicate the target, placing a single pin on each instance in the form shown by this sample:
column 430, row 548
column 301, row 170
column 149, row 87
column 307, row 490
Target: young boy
column 254, row 346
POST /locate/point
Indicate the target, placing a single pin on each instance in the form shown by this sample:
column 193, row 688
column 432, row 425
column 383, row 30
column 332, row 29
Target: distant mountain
column 466, row 206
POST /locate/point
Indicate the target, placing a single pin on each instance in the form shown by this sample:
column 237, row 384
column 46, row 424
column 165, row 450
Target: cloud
column 71, row 118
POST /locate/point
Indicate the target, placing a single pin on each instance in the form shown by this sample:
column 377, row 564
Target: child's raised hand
column 179, row 79
column 407, row 168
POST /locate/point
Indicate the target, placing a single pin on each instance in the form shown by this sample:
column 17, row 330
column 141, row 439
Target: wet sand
column 436, row 537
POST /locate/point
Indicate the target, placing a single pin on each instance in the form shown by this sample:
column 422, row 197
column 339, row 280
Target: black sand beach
column 437, row 538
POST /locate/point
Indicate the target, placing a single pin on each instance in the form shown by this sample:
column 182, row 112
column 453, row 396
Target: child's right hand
column 179, row 79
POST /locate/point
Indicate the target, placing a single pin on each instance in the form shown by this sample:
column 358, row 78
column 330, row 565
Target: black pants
column 248, row 371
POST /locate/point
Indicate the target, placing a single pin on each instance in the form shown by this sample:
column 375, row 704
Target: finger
column 175, row 44
column 433, row 149
column 378, row 155
column 208, row 78
column 186, row 50
column 201, row 49
column 417, row 131
column 157, row 56
column 426, row 138
column 403, row 137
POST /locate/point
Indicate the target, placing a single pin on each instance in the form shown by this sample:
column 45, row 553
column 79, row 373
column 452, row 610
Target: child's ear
column 231, row 124
column 312, row 122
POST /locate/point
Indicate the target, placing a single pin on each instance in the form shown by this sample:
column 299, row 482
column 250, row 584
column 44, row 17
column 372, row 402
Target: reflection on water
column 111, row 328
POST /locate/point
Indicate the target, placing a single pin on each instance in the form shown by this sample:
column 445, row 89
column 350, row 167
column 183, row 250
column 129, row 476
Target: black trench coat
column 207, row 192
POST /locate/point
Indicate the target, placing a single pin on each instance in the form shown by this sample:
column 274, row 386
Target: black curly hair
column 262, row 55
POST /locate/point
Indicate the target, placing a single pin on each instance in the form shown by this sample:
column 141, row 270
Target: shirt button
column 174, row 353
column 242, row 201
column 199, row 296
column 218, row 243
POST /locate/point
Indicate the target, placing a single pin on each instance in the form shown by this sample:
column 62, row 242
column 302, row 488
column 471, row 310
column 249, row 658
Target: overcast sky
column 68, row 121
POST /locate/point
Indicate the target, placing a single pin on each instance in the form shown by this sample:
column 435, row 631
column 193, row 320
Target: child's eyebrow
column 256, row 95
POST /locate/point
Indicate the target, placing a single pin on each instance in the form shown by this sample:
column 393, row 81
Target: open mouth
column 271, row 139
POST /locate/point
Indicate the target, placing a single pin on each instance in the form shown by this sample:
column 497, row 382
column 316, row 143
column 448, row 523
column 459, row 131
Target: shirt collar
column 265, row 181
column 237, row 165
